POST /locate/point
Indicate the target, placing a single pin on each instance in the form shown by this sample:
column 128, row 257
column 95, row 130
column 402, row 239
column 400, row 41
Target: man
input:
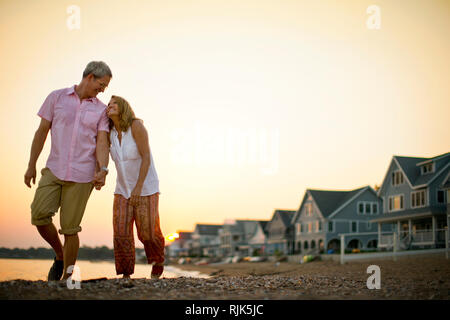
column 77, row 162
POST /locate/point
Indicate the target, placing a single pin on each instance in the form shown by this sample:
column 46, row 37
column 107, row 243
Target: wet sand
column 418, row 277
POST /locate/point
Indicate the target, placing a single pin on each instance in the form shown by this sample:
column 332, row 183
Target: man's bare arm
column 102, row 154
column 36, row 148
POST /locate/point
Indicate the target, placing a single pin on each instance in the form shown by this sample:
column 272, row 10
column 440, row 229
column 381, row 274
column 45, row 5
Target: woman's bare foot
column 126, row 276
column 157, row 270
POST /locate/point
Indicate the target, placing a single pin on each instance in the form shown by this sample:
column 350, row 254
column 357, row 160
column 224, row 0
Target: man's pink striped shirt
column 74, row 130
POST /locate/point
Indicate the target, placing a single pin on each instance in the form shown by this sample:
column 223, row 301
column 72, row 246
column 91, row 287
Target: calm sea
column 34, row 269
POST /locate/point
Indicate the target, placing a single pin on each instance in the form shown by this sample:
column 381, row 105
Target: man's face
column 97, row 85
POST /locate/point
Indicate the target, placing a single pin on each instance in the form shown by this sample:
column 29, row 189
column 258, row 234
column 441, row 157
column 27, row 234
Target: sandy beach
column 419, row 277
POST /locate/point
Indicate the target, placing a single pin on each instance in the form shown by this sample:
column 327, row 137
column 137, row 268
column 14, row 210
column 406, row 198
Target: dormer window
column 308, row 209
column 428, row 168
column 397, row 178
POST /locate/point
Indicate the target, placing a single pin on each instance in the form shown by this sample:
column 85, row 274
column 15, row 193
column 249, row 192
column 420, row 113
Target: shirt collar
column 71, row 90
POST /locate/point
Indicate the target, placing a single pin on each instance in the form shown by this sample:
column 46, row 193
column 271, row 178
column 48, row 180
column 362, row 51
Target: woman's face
column 113, row 109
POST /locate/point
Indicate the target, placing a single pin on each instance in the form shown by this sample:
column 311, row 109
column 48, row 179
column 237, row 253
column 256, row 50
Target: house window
column 318, row 226
column 375, row 208
column 428, row 168
column 298, row 228
column 308, row 209
column 302, row 228
column 330, row 226
column 309, row 227
column 396, row 203
column 360, row 208
column 440, row 196
column 397, row 178
column 368, row 208
column 418, row 199
column 354, row 226
column 369, row 225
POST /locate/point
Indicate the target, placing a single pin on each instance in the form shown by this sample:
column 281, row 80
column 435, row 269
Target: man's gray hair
column 98, row 68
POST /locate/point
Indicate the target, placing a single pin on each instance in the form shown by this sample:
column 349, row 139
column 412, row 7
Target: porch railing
column 400, row 241
column 422, row 236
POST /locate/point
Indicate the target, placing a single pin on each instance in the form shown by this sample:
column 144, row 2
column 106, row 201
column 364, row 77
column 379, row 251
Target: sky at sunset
column 247, row 103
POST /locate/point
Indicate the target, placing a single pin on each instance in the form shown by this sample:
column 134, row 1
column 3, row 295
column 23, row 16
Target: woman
column 137, row 191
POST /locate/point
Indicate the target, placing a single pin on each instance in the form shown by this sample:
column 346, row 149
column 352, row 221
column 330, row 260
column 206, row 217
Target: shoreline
column 408, row 278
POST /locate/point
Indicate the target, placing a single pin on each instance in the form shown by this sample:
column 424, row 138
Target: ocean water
column 36, row 269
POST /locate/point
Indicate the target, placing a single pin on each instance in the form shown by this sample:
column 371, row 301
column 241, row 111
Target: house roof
column 263, row 225
column 246, row 227
column 184, row 235
column 411, row 213
column 329, row 201
column 286, row 216
column 411, row 167
column 208, row 229
column 446, row 182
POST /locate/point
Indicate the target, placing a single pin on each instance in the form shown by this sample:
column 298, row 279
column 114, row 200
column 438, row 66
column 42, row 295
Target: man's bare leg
column 49, row 233
column 71, row 246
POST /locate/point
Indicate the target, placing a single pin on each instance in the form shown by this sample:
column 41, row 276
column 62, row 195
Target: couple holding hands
column 84, row 132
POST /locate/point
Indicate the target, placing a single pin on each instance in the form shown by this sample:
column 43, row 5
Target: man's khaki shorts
column 53, row 193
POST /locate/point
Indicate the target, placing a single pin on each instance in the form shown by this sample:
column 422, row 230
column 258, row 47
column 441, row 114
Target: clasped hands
column 99, row 179
column 135, row 198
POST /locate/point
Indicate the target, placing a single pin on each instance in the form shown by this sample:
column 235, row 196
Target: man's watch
column 104, row 169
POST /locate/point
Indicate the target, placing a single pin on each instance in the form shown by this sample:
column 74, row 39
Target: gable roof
column 411, row 168
column 446, row 182
column 250, row 227
column 286, row 216
column 263, row 225
column 330, row 201
column 184, row 235
column 208, row 229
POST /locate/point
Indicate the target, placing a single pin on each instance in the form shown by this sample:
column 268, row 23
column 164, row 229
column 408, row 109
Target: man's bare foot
column 126, row 276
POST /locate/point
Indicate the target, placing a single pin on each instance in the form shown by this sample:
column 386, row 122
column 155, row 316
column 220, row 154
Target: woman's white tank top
column 128, row 163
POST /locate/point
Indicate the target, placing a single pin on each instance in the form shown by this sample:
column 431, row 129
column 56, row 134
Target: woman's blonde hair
column 126, row 114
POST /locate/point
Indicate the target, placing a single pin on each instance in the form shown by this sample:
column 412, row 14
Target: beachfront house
column 242, row 238
column 325, row 214
column 446, row 186
column 182, row 246
column 205, row 240
column 414, row 201
column 258, row 240
column 280, row 233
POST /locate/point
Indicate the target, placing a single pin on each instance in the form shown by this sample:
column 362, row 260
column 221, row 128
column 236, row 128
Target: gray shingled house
column 446, row 186
column 242, row 238
column 182, row 246
column 414, row 200
column 205, row 240
column 280, row 232
column 324, row 214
